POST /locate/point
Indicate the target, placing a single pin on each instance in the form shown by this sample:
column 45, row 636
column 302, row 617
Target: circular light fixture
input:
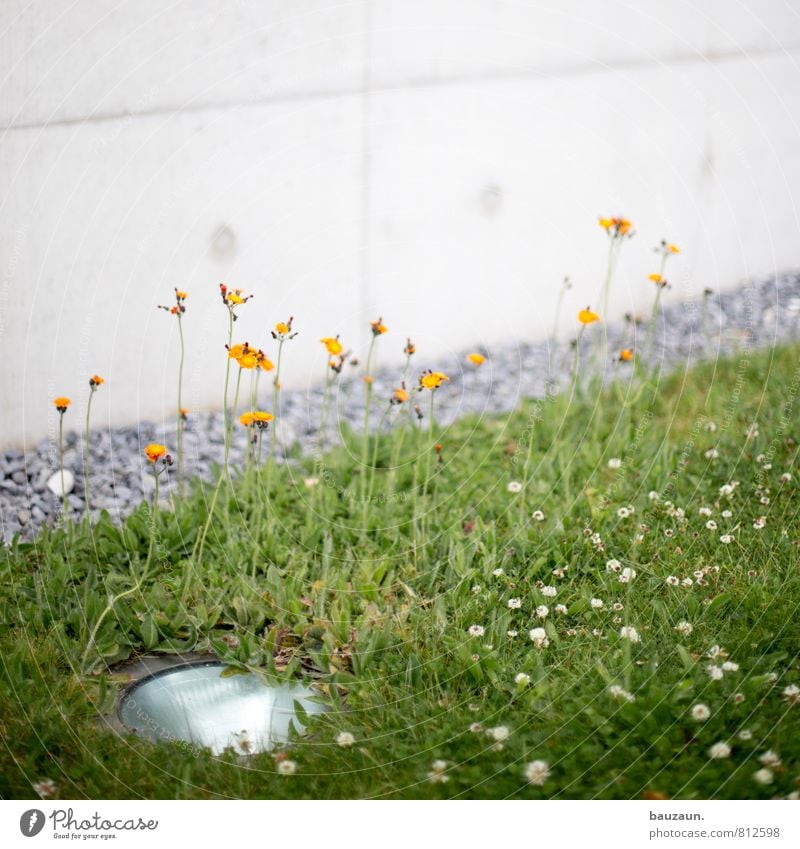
column 194, row 703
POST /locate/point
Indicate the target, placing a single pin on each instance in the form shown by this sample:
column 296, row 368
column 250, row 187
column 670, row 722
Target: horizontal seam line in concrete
column 522, row 75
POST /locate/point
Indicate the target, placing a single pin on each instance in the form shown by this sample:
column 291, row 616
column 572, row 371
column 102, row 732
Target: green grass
column 383, row 612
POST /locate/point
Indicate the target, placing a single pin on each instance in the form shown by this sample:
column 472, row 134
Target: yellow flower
column 658, row 279
column 476, row 359
column 280, row 327
column 400, row 396
column 258, row 418
column 154, row 451
column 673, row 249
column 235, row 352
column 616, row 227
column 263, row 361
column 62, row 403
column 283, row 330
column 378, row 327
column 587, row 316
column 181, row 296
column 432, row 379
column 626, row 355
column 96, row 380
column 333, row 345
column 249, row 359
column 232, row 297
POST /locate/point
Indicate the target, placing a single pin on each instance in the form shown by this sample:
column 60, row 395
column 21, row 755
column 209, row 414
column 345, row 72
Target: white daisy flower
column 719, row 750
column 764, row 776
column 537, row 772
column 539, row 638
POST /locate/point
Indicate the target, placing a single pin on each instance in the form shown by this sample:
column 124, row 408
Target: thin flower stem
column 651, row 327
column 373, row 464
column 61, row 465
column 110, row 606
column 430, row 447
column 86, row 495
column 367, row 400
column 226, row 414
column 180, row 406
column 276, row 394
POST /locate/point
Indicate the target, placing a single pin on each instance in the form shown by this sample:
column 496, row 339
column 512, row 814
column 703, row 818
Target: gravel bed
column 755, row 315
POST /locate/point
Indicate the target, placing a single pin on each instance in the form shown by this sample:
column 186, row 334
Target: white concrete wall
column 439, row 162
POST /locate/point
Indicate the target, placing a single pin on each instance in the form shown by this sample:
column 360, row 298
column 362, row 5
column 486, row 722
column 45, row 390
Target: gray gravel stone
column 758, row 314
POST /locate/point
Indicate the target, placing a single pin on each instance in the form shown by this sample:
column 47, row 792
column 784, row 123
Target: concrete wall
column 439, row 162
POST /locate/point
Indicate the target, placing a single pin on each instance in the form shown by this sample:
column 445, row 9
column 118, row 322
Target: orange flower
column 476, row 359
column 626, row 355
column 368, row 378
column 378, row 327
column 333, row 345
column 410, row 348
column 155, row 452
column 263, row 361
column 62, row 403
column 617, row 228
column 283, row 330
column 232, row 297
column 257, row 418
column 400, row 395
column 181, row 296
column 183, row 413
column 178, row 309
column 432, row 379
column 658, row 279
column 673, row 249
column 587, row 316
column 96, row 380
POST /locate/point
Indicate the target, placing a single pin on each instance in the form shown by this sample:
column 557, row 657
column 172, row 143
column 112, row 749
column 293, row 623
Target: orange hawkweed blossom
column 673, row 249
column 248, row 358
column 400, row 395
column 476, row 359
column 232, row 297
column 587, row 316
column 617, row 228
column 333, row 345
column 95, row 380
column 432, row 380
column 178, row 309
column 626, row 355
column 263, row 361
column 155, row 452
column 378, row 327
column 61, row 404
column 257, row 418
column 658, row 279
column 283, row 330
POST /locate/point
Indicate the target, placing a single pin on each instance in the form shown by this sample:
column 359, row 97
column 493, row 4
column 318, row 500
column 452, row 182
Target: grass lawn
column 418, row 597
